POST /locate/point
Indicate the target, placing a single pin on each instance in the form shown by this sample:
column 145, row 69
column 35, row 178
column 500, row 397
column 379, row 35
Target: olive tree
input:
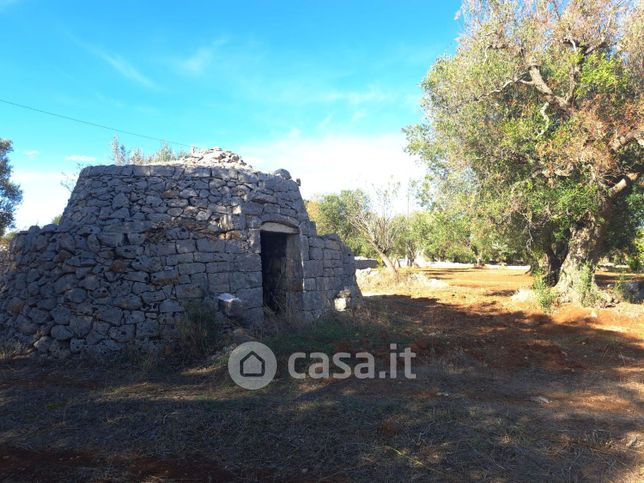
column 366, row 224
column 542, row 104
column 10, row 193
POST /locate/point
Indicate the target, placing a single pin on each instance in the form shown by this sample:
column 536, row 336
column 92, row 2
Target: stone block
column 190, row 268
column 123, row 333
column 313, row 268
column 147, row 328
column 80, row 325
column 251, row 297
column 188, row 291
column 110, row 314
column 186, row 246
column 61, row 332
column 209, row 245
column 129, row 302
column 244, row 280
column 218, row 282
column 170, row 305
column 77, row 345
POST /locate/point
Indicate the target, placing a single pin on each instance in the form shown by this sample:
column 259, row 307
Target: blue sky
column 319, row 88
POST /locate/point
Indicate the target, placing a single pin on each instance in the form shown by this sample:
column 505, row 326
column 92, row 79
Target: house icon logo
column 252, row 365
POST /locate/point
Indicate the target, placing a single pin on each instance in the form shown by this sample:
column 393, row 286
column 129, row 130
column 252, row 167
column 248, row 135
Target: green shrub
column 587, row 291
column 544, row 294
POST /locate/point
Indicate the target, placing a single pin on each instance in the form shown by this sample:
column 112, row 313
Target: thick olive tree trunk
column 551, row 265
column 584, row 250
column 555, row 252
column 587, row 239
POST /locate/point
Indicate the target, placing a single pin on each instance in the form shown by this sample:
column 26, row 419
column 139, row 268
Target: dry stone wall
column 136, row 243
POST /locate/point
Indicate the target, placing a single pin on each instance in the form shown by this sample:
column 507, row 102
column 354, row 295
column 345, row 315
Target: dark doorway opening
column 281, row 272
column 274, row 270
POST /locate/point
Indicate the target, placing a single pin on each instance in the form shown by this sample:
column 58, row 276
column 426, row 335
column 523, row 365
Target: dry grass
column 10, row 350
column 503, row 393
column 200, row 332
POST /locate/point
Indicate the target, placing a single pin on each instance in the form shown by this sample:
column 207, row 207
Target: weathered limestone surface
column 136, row 243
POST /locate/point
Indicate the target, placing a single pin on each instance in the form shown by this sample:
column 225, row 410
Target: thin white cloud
column 118, row 63
column 246, row 66
column 357, row 116
column 198, row 62
column 324, row 123
column 126, row 69
column 32, row 153
column 370, row 94
column 294, row 133
column 81, row 158
column 304, row 92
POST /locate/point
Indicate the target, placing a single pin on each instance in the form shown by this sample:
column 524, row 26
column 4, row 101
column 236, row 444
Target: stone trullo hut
column 136, row 243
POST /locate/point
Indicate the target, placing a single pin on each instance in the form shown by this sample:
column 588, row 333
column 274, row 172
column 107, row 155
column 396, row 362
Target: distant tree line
column 451, row 227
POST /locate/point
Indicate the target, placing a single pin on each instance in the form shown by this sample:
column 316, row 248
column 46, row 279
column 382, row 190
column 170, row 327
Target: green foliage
column 449, row 237
column 122, row 155
column 413, row 233
column 625, row 230
column 366, row 225
column 10, row 193
column 635, row 259
column 545, row 295
column 7, row 237
column 466, row 224
column 587, row 290
column 601, row 74
column 331, row 215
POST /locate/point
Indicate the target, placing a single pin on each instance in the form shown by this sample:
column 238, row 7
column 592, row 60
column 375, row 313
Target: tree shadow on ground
column 497, row 396
column 500, row 293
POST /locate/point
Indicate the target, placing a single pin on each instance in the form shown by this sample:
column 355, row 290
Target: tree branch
column 619, row 142
column 537, row 81
column 624, row 183
column 542, row 111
